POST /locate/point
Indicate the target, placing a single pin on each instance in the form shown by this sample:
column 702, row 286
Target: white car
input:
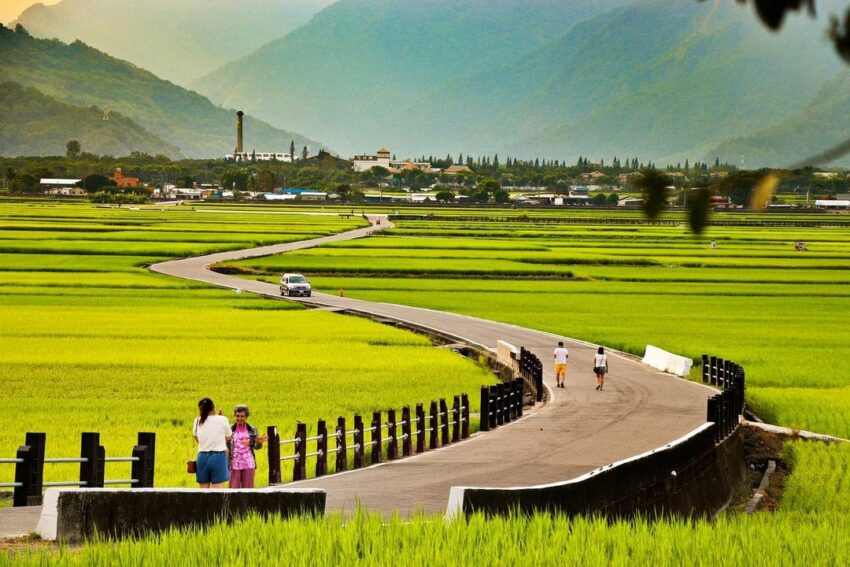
column 295, row 285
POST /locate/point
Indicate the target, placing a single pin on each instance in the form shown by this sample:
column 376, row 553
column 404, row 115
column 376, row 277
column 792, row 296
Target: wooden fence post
column 91, row 471
column 36, row 442
column 484, row 415
column 517, row 385
column 711, row 416
column 274, row 455
column 456, row 419
column 148, row 439
column 300, row 467
column 299, row 471
column 342, row 449
column 502, row 394
column 421, row 426
column 494, row 407
column 406, row 440
column 444, row 422
column 392, row 439
column 359, row 449
column 435, row 426
column 23, row 475
column 713, row 371
column 139, row 468
column 464, row 424
column 706, row 369
column 322, row 448
column 377, row 448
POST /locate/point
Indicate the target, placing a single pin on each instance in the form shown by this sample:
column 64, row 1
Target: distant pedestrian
column 212, row 432
column 713, row 244
column 245, row 439
column 600, row 367
column 561, row 356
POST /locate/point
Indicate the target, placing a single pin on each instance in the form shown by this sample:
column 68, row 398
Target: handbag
column 192, row 465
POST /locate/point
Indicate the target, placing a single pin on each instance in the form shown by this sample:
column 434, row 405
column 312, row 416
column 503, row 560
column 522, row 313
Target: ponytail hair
column 206, row 406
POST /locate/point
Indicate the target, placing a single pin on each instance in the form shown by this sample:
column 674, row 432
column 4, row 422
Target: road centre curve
column 579, row 430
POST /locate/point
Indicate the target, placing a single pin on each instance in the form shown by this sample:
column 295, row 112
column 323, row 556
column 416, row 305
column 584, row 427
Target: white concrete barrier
column 667, row 361
column 508, row 355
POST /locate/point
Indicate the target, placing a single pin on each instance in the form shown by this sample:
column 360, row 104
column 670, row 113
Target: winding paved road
column 578, row 430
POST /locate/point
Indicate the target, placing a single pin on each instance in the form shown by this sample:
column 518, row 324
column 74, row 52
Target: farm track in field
column 578, row 430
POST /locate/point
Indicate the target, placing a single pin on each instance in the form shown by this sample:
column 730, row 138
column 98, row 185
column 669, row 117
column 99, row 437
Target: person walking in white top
column 212, row 432
column 600, row 367
column 561, row 356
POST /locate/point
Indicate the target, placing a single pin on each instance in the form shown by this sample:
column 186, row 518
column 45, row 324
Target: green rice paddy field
column 92, row 341
column 780, row 313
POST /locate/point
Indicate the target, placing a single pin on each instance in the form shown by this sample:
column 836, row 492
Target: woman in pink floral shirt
column 244, row 441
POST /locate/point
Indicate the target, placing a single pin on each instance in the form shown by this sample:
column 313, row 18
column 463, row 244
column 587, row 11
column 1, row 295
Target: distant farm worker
column 212, row 432
column 600, row 367
column 561, row 356
column 244, row 441
column 713, row 244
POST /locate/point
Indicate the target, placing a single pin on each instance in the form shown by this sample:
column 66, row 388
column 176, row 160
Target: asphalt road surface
column 578, row 430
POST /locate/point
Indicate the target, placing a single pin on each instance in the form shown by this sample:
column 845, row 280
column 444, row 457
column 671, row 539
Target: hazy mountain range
column 178, row 40
column 355, row 72
column 664, row 79
column 661, row 79
column 35, row 124
column 187, row 123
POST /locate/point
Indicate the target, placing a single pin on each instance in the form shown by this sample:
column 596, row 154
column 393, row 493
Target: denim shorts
column 212, row 467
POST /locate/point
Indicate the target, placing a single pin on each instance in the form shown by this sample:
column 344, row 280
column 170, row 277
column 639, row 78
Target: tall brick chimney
column 239, row 116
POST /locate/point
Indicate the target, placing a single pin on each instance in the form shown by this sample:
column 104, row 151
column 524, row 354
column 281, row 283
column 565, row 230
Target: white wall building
column 832, row 204
column 261, row 156
column 363, row 163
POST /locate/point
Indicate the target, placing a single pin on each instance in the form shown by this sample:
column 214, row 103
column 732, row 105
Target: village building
column 122, row 181
column 591, row 176
column 61, row 187
column 283, row 157
column 458, row 170
column 403, row 166
column 630, row 202
column 832, row 204
column 361, row 163
column 326, row 160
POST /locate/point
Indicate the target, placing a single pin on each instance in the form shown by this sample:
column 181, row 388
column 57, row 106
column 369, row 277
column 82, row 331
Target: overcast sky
column 11, row 9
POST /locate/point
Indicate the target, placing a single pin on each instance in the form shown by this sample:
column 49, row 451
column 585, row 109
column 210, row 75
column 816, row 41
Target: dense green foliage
column 80, row 75
column 127, row 350
column 35, row 124
column 171, row 38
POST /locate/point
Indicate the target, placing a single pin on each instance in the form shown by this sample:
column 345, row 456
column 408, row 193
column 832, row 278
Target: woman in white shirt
column 600, row 367
column 212, row 432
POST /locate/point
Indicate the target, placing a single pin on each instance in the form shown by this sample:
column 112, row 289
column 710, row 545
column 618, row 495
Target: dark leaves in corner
column 653, row 184
column 839, row 37
column 699, row 208
column 772, row 14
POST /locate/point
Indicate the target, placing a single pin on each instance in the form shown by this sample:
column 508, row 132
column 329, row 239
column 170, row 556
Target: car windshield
column 297, row 279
